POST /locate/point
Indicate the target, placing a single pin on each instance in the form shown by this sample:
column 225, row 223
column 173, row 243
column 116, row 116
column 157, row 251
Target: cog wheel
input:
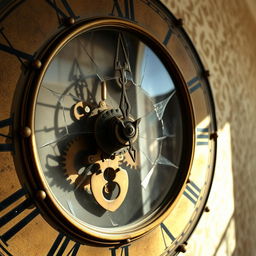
column 127, row 160
column 74, row 159
column 104, row 163
column 78, row 156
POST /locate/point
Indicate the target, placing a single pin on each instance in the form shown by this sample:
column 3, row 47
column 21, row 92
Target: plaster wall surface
column 223, row 33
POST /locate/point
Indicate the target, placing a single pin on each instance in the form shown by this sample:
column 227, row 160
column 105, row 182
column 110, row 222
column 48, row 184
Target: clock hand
column 132, row 127
column 122, row 66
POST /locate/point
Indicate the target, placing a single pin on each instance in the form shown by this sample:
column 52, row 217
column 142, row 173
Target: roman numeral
column 194, row 84
column 60, row 246
column 8, row 146
column 126, row 12
column 167, row 37
column 192, row 192
column 166, row 231
column 6, row 253
column 62, row 14
column 11, row 50
column 202, row 135
column 124, row 251
column 17, row 210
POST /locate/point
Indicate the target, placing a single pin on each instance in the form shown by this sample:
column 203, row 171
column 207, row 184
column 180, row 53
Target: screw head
column 87, row 109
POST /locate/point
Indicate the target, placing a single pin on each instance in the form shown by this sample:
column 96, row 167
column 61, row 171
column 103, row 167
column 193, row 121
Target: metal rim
column 32, row 174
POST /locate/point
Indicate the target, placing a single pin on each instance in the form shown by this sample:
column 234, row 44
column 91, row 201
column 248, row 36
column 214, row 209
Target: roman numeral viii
column 16, row 210
column 124, row 9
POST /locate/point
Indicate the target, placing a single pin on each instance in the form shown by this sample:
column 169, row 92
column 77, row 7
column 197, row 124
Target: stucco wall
column 224, row 33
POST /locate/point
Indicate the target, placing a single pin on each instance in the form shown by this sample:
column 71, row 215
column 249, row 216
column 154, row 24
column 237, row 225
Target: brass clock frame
column 26, row 158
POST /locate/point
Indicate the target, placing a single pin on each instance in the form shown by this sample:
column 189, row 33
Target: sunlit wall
column 224, row 34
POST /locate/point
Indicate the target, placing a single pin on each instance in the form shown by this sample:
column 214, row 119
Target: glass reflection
column 64, row 142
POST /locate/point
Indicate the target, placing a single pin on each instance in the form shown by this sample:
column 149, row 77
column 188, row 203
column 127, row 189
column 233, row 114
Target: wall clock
column 109, row 144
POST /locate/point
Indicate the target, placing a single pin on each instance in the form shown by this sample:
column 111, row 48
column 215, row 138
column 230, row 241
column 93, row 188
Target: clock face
column 112, row 129
column 118, row 129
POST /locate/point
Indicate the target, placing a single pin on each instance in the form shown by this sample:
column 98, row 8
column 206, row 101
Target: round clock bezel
column 28, row 167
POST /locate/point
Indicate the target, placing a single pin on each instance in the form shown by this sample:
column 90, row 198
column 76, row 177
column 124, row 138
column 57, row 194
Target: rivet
column 181, row 248
column 37, row 64
column 70, row 21
column 207, row 209
column 214, row 136
column 179, row 22
column 207, row 73
column 26, row 132
column 41, row 195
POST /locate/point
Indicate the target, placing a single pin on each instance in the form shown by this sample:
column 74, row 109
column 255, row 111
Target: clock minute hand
column 122, row 65
column 124, row 104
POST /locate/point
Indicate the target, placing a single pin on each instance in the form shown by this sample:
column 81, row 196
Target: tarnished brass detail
column 26, row 132
column 34, row 176
column 41, row 195
column 37, row 64
column 84, row 110
column 128, row 161
column 74, row 147
column 99, row 185
column 102, row 104
column 70, row 21
column 103, row 90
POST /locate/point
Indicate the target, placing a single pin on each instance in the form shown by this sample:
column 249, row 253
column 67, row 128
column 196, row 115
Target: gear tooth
column 71, row 149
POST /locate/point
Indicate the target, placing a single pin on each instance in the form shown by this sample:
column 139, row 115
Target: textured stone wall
column 224, row 33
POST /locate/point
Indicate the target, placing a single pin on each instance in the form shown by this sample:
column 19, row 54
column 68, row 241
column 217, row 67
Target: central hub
column 129, row 130
column 112, row 133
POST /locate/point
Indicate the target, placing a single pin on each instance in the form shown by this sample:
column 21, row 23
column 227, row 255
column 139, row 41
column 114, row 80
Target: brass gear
column 103, row 164
column 127, row 160
column 76, row 149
